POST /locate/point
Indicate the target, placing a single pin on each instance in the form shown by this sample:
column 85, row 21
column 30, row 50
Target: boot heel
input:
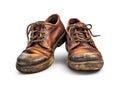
column 62, row 40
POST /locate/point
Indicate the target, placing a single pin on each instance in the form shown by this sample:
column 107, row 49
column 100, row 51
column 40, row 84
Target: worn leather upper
column 42, row 40
column 79, row 44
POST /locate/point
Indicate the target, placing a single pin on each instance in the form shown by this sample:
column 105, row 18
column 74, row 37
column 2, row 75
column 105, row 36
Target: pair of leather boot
column 45, row 36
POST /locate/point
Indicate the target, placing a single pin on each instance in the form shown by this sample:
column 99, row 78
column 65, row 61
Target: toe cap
column 85, row 57
column 26, row 59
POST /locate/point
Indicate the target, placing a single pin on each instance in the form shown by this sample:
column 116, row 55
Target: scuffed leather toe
column 26, row 59
column 85, row 57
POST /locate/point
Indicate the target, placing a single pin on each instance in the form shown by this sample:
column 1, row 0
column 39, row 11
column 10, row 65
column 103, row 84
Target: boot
column 82, row 52
column 43, row 38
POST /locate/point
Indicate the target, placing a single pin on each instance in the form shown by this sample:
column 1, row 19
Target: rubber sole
column 86, row 65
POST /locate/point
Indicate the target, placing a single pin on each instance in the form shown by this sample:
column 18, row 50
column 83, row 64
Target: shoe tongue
column 43, row 22
column 80, row 24
column 47, row 24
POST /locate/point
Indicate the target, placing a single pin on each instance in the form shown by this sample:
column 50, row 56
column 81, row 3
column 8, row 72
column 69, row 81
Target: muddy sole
column 86, row 65
column 35, row 68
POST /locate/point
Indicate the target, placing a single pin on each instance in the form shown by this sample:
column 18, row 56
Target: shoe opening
column 53, row 19
column 73, row 21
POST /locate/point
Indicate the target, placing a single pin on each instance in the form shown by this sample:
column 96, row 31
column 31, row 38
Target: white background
column 15, row 15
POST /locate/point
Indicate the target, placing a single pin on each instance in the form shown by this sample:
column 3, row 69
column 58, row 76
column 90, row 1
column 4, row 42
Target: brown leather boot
column 83, row 54
column 45, row 36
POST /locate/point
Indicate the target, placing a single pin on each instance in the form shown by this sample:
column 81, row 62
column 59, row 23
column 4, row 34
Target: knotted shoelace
column 79, row 33
column 36, row 33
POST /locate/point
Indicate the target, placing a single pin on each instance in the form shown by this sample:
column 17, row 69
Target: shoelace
column 36, row 32
column 79, row 34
